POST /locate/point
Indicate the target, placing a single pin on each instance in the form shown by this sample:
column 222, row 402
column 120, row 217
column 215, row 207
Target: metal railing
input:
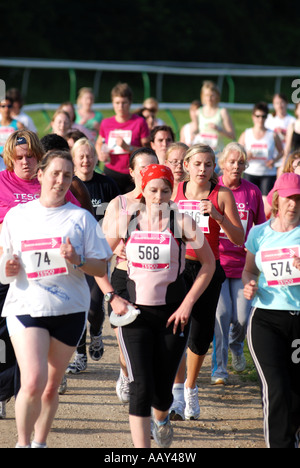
column 222, row 72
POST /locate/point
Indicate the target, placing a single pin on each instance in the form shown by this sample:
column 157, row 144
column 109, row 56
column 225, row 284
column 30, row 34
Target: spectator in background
column 160, row 138
column 85, row 115
column 120, row 136
column 16, row 111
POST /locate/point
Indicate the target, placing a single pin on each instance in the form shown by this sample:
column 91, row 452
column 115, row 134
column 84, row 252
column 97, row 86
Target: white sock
column 178, row 391
column 38, row 445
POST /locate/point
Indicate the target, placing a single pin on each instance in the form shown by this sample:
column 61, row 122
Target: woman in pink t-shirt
column 122, row 134
column 233, row 309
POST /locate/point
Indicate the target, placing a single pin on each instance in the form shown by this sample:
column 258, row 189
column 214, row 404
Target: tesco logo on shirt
column 25, row 197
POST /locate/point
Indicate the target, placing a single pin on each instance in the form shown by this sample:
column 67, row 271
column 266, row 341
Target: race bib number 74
column 41, row 258
column 277, row 265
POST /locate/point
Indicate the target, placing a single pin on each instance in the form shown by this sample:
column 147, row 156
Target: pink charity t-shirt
column 132, row 131
column 14, row 190
column 250, row 206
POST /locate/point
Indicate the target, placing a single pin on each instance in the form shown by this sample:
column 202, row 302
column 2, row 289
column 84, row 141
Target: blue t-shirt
column 263, row 238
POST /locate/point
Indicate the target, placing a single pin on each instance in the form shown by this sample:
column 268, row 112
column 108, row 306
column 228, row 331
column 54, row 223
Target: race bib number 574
column 277, row 265
column 41, row 258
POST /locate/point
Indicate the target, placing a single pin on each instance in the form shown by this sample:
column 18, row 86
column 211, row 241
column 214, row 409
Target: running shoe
column 122, row 388
column 96, row 348
column 78, row 365
column 192, row 408
column 63, row 386
column 218, row 381
column 238, row 362
column 177, row 410
column 162, row 433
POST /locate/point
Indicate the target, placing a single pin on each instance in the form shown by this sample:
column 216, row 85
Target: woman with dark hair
column 264, row 149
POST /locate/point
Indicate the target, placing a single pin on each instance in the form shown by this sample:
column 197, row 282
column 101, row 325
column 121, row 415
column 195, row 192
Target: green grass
column 241, row 120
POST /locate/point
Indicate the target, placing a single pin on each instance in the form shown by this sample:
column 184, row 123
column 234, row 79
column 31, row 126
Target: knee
column 34, row 385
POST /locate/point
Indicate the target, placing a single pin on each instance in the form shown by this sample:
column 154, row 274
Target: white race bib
column 259, row 151
column 277, row 265
column 150, row 250
column 112, row 140
column 192, row 208
column 41, row 258
column 210, row 139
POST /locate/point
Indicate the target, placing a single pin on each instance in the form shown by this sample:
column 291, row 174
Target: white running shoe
column 238, row 362
column 192, row 408
column 122, row 388
column 78, row 365
column 177, row 410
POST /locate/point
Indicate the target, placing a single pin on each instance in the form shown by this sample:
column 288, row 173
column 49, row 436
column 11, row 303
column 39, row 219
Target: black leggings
column 204, row 310
column 274, row 343
column 96, row 314
column 153, row 354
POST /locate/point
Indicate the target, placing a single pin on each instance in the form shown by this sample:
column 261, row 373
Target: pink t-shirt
column 250, row 206
column 14, row 190
column 132, row 131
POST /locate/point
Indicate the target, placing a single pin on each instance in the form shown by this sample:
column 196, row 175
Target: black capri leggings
column 204, row 310
column 153, row 354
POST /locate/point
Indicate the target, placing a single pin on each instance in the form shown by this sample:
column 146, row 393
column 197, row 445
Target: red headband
column 156, row 171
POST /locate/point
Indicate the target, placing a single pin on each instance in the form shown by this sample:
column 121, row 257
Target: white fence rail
column 221, row 71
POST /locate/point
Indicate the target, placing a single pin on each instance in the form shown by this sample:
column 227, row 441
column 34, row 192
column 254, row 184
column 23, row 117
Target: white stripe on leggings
column 265, row 392
column 126, row 357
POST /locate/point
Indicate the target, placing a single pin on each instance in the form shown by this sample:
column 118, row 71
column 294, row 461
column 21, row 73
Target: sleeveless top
column 262, row 150
column 208, row 135
column 156, row 262
column 209, row 226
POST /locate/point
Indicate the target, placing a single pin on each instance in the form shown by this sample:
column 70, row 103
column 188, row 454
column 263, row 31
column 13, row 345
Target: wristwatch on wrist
column 108, row 297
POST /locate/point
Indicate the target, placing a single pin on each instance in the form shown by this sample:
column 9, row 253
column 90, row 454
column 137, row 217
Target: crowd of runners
column 186, row 244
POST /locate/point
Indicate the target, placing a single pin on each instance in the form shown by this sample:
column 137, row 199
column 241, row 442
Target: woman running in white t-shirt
column 48, row 298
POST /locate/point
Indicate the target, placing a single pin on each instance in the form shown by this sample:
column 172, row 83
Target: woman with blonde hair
column 174, row 160
column 233, row 309
column 85, row 115
column 213, row 207
column 212, row 123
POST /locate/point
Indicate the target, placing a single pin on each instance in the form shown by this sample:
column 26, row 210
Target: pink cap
column 286, row 185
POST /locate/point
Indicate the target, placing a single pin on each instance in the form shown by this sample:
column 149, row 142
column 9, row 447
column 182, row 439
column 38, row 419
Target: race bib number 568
column 41, row 258
column 277, row 265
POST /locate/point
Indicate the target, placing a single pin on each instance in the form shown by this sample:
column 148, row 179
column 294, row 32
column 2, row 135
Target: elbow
column 101, row 269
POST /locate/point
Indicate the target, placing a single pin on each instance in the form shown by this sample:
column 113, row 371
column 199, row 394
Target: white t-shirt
column 50, row 286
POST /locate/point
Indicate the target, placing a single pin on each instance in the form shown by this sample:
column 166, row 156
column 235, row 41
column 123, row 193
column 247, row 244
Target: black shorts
column 65, row 328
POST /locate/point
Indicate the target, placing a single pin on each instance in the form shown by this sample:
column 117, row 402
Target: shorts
column 67, row 329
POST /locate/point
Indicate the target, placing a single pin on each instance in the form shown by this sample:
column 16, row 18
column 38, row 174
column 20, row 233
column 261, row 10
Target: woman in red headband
column 154, row 343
